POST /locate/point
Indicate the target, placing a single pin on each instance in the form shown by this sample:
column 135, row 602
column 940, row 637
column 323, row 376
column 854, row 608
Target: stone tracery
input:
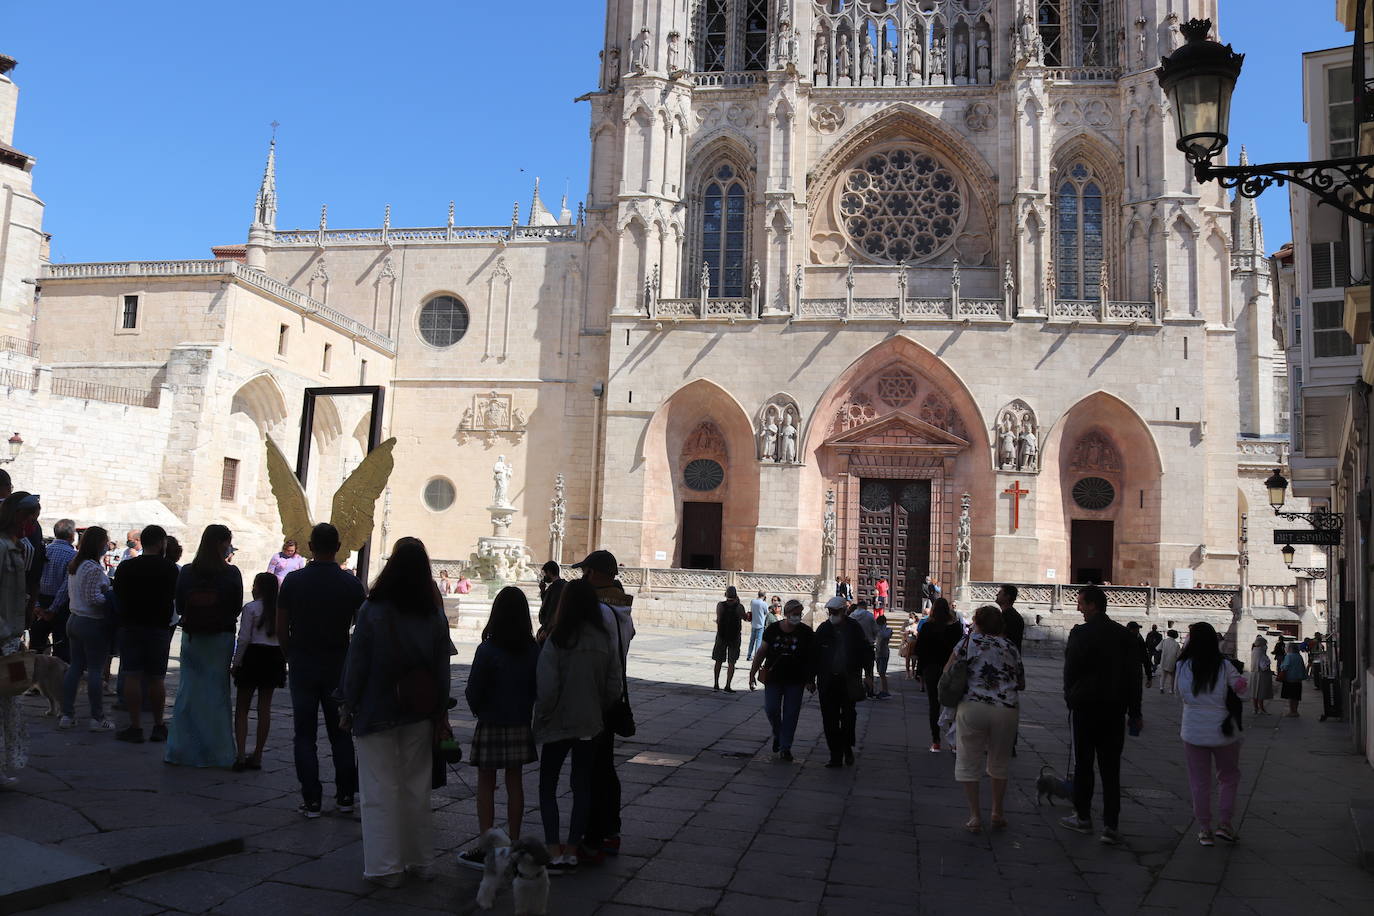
column 902, row 43
column 900, row 203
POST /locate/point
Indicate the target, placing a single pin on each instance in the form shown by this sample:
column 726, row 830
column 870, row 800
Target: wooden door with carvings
column 894, row 538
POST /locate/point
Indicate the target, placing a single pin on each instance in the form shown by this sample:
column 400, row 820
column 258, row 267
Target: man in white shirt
column 758, row 619
column 1169, row 650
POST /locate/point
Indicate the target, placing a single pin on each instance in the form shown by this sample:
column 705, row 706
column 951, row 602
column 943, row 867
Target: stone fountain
column 500, row 559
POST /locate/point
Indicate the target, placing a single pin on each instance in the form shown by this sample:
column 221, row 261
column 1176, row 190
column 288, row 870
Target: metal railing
column 19, row 379
column 19, row 345
column 99, row 391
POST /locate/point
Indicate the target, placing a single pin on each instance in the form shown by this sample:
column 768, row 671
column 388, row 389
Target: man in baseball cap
column 599, row 561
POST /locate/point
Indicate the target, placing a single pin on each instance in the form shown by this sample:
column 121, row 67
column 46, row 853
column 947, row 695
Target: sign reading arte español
column 1322, row 537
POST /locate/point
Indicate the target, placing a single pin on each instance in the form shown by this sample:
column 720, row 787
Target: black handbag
column 620, row 718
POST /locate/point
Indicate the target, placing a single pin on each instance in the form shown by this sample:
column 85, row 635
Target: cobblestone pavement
column 712, row 825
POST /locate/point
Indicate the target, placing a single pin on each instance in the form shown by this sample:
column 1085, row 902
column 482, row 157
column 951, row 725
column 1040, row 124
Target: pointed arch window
column 1051, row 23
column 732, row 35
column 723, row 239
column 1078, row 243
column 1074, row 33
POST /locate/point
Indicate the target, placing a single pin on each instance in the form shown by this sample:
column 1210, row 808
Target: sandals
column 974, row 825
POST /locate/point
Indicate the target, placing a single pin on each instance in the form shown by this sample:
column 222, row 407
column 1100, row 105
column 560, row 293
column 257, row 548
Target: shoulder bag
column 416, row 687
column 620, row 718
column 954, row 680
column 16, row 673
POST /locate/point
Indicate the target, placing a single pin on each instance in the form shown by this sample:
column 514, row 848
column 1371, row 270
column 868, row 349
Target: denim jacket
column 386, row 643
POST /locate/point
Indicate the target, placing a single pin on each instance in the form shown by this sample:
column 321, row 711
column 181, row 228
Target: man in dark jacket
column 550, row 590
column 1011, row 618
column 842, row 653
column 1102, row 669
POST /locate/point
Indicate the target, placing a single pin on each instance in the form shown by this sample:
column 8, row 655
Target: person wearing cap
column 730, row 613
column 842, row 652
column 601, row 836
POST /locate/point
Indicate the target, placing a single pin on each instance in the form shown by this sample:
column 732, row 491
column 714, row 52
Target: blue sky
column 150, row 127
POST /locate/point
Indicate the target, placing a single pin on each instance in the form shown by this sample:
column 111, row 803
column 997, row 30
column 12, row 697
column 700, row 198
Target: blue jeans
column 551, row 757
column 88, row 639
column 314, row 679
column 782, row 705
column 755, row 637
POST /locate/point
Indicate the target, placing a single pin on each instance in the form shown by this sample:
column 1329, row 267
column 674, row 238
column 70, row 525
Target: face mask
column 836, row 618
column 128, row 543
column 794, row 619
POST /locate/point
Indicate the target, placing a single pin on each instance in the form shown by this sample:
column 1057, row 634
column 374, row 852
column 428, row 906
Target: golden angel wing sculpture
column 291, row 502
column 354, row 505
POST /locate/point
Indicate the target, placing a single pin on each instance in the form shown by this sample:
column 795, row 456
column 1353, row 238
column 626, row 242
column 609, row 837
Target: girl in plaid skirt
column 500, row 692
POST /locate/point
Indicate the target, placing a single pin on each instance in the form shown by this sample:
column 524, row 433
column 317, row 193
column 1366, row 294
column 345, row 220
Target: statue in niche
column 612, row 56
column 787, row 43
column 639, row 52
column 963, row 544
column 866, row 62
column 961, row 58
column 937, row 62
column 913, row 63
column 674, row 52
column 889, row 62
column 1027, row 447
column 1140, row 25
column 1006, row 449
column 768, row 436
column 1028, row 40
column 843, row 60
column 820, row 61
column 828, row 524
column 984, row 59
column 500, row 474
column 788, row 446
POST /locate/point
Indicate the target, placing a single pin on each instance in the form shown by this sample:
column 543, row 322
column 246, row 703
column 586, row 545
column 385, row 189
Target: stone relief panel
column 778, row 430
column 937, row 411
column 492, row 416
column 896, row 388
column 827, row 117
column 1017, row 438
column 1095, row 452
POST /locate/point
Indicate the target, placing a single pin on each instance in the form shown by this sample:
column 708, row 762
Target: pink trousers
column 1227, row 757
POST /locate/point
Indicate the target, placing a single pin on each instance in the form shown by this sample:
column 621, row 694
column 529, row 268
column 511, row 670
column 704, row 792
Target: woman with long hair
column 88, row 630
column 500, row 693
column 396, row 682
column 210, row 596
column 935, row 641
column 1211, row 728
column 17, row 512
column 259, row 667
column 577, row 681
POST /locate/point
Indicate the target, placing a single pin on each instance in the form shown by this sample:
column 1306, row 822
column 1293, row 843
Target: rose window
column 1094, row 493
column 900, row 204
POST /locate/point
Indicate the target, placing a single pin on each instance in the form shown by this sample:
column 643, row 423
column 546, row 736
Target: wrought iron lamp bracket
column 1346, row 184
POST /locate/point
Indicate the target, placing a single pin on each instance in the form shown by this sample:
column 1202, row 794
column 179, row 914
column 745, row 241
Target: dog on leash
column 48, row 672
column 1048, row 785
column 529, row 859
column 495, row 845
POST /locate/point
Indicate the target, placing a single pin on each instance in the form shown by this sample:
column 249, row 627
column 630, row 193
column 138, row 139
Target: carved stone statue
column 674, row 52
column 788, row 445
column 963, row 545
column 500, row 474
column 889, row 62
column 914, row 75
column 866, row 61
column 828, row 525
column 1027, row 448
column 843, row 60
column 961, row 58
column 768, row 436
column 937, row 62
column 787, row 43
column 639, row 52
column 1006, row 450
column 558, row 509
column 820, row 61
column 983, row 54
column 1028, row 46
column 613, row 68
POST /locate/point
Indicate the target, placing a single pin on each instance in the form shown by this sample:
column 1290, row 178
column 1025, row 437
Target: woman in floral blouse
column 987, row 716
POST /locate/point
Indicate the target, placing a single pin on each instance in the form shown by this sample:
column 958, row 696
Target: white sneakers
column 100, row 725
column 66, row 722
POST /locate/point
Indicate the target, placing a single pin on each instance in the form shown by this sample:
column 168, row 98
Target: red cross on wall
column 1015, row 492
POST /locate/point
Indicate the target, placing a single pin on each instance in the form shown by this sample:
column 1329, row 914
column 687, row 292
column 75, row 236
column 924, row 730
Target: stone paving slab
column 712, row 825
column 33, row 874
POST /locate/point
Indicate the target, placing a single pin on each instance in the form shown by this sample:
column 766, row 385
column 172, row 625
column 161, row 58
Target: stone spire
column 265, row 208
column 539, row 214
column 565, row 216
column 1247, row 233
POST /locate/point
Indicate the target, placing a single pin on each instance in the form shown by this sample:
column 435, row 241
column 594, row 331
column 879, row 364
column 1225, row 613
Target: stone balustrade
column 427, row 235
column 1093, row 310
column 1151, row 600
column 724, row 78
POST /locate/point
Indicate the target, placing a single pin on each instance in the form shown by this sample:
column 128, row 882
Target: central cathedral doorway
column 1090, row 550
column 894, row 538
column 701, row 535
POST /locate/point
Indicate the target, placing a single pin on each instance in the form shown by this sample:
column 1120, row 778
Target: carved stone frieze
column 492, row 416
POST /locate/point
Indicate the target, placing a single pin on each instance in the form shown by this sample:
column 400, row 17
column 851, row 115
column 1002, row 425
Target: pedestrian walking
column 987, row 716
column 843, row 650
column 1292, row 672
column 1152, row 641
column 210, row 596
column 1169, row 651
column 49, row 630
column 1102, row 671
column 258, row 668
column 908, row 650
column 601, row 835
column 146, row 590
column 785, row 663
column 730, row 614
column 882, row 589
column 315, row 608
column 869, row 624
column 88, row 630
column 1142, row 650
column 775, row 612
column 577, row 681
column 17, row 512
column 500, row 692
column 758, row 619
column 1261, row 676
column 1013, row 624
column 882, row 650
column 287, row 560
column 1212, row 688
column 395, row 688
column 936, row 639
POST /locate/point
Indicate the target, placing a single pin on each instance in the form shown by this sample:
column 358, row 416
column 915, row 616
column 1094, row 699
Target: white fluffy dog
column 529, row 859
column 496, row 845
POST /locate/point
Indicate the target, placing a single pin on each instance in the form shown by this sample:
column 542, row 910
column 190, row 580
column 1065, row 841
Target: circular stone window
column 900, row 204
column 1094, row 493
column 439, row 494
column 703, row 475
column 443, row 321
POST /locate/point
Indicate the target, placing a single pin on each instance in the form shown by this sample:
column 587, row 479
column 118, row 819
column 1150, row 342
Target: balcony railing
column 111, row 394
column 1095, row 310
column 19, row 345
column 726, row 78
column 19, row 379
column 427, row 235
column 1083, row 74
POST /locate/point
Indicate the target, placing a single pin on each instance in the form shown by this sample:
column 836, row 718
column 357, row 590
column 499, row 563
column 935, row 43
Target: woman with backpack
column 259, row 667
column 1211, row 687
column 395, row 689
column 210, row 597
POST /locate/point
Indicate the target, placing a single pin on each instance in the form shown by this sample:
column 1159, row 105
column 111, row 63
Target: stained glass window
column 900, row 204
column 723, row 233
column 1078, row 234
